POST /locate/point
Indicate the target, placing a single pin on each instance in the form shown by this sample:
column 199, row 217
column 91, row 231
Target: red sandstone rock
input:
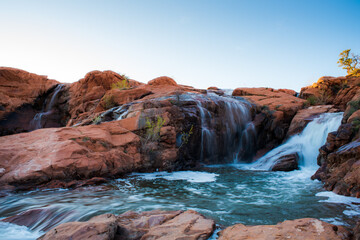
column 299, row 229
column 69, row 153
column 273, row 99
column 133, row 226
column 18, row 87
column 188, row 225
column 162, row 81
column 102, row 227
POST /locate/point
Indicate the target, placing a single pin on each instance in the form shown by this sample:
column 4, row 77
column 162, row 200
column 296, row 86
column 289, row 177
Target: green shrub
column 153, row 129
column 356, row 124
column 96, row 120
column 354, row 106
column 108, row 102
column 121, row 84
column 312, row 100
column 185, row 136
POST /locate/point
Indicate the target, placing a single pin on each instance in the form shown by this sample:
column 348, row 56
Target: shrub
column 354, row 106
column 185, row 136
column 108, row 102
column 153, row 129
column 121, row 84
column 356, row 124
column 96, row 120
column 312, row 100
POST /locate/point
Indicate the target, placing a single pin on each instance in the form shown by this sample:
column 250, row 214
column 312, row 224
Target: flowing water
column 228, row 194
column 38, row 121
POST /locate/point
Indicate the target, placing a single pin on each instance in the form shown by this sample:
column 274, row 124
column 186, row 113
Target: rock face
column 131, row 226
column 274, row 112
column 162, row 81
column 22, row 96
column 18, row 87
column 339, row 157
column 330, row 90
column 301, row 229
column 287, row 163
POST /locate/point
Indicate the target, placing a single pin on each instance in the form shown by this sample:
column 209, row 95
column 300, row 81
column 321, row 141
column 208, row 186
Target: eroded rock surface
column 299, row 229
column 155, row 224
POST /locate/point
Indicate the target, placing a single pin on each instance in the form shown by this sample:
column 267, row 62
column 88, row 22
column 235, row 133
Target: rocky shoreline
column 105, row 126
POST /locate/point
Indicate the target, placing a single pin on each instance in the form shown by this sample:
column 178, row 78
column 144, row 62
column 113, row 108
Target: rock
column 18, row 87
column 330, row 90
column 301, row 229
column 188, row 225
column 162, row 81
column 102, row 227
column 133, row 225
column 354, row 116
column 287, row 163
column 304, row 116
column 104, row 150
column 117, row 97
column 154, row 224
column 275, row 100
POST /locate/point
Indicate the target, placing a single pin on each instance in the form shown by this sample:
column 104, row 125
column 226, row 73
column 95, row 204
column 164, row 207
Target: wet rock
column 301, row 229
column 155, row 224
column 287, row 163
column 102, row 227
column 304, row 116
column 357, row 231
column 188, row 225
column 133, row 225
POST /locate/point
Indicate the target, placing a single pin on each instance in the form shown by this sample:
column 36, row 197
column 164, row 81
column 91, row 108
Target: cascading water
column 37, row 121
column 229, row 130
column 305, row 144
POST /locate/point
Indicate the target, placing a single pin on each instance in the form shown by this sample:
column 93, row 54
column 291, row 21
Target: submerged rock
column 299, row 229
column 287, row 163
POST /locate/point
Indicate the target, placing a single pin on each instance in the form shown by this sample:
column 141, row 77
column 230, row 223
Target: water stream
column 229, row 194
column 38, row 121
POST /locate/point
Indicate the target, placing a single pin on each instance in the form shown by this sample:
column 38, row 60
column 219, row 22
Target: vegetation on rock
column 350, row 64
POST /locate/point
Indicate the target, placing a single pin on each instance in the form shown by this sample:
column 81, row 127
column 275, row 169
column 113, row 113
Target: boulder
column 159, row 81
column 299, row 229
column 188, row 225
column 287, row 163
column 102, row 227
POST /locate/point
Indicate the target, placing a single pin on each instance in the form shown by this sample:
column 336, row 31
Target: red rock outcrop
column 132, row 226
column 18, row 87
column 287, row 163
column 331, row 90
column 299, row 229
column 160, row 81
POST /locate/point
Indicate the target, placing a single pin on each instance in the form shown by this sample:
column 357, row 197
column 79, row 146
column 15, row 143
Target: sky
column 201, row 43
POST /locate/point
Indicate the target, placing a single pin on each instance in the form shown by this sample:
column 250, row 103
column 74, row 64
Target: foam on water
column 305, row 144
column 352, row 203
column 190, row 176
column 11, row 231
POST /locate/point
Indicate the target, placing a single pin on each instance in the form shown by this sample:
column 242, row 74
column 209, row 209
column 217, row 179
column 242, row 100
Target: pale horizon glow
column 203, row 43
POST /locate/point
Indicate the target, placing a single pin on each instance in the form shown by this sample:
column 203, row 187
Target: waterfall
column 37, row 121
column 306, row 144
column 227, row 131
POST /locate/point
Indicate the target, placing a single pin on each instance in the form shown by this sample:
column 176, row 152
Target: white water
column 11, row 231
column 190, row 176
column 306, row 144
column 36, row 122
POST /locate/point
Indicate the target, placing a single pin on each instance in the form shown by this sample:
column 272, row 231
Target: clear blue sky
column 229, row 44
